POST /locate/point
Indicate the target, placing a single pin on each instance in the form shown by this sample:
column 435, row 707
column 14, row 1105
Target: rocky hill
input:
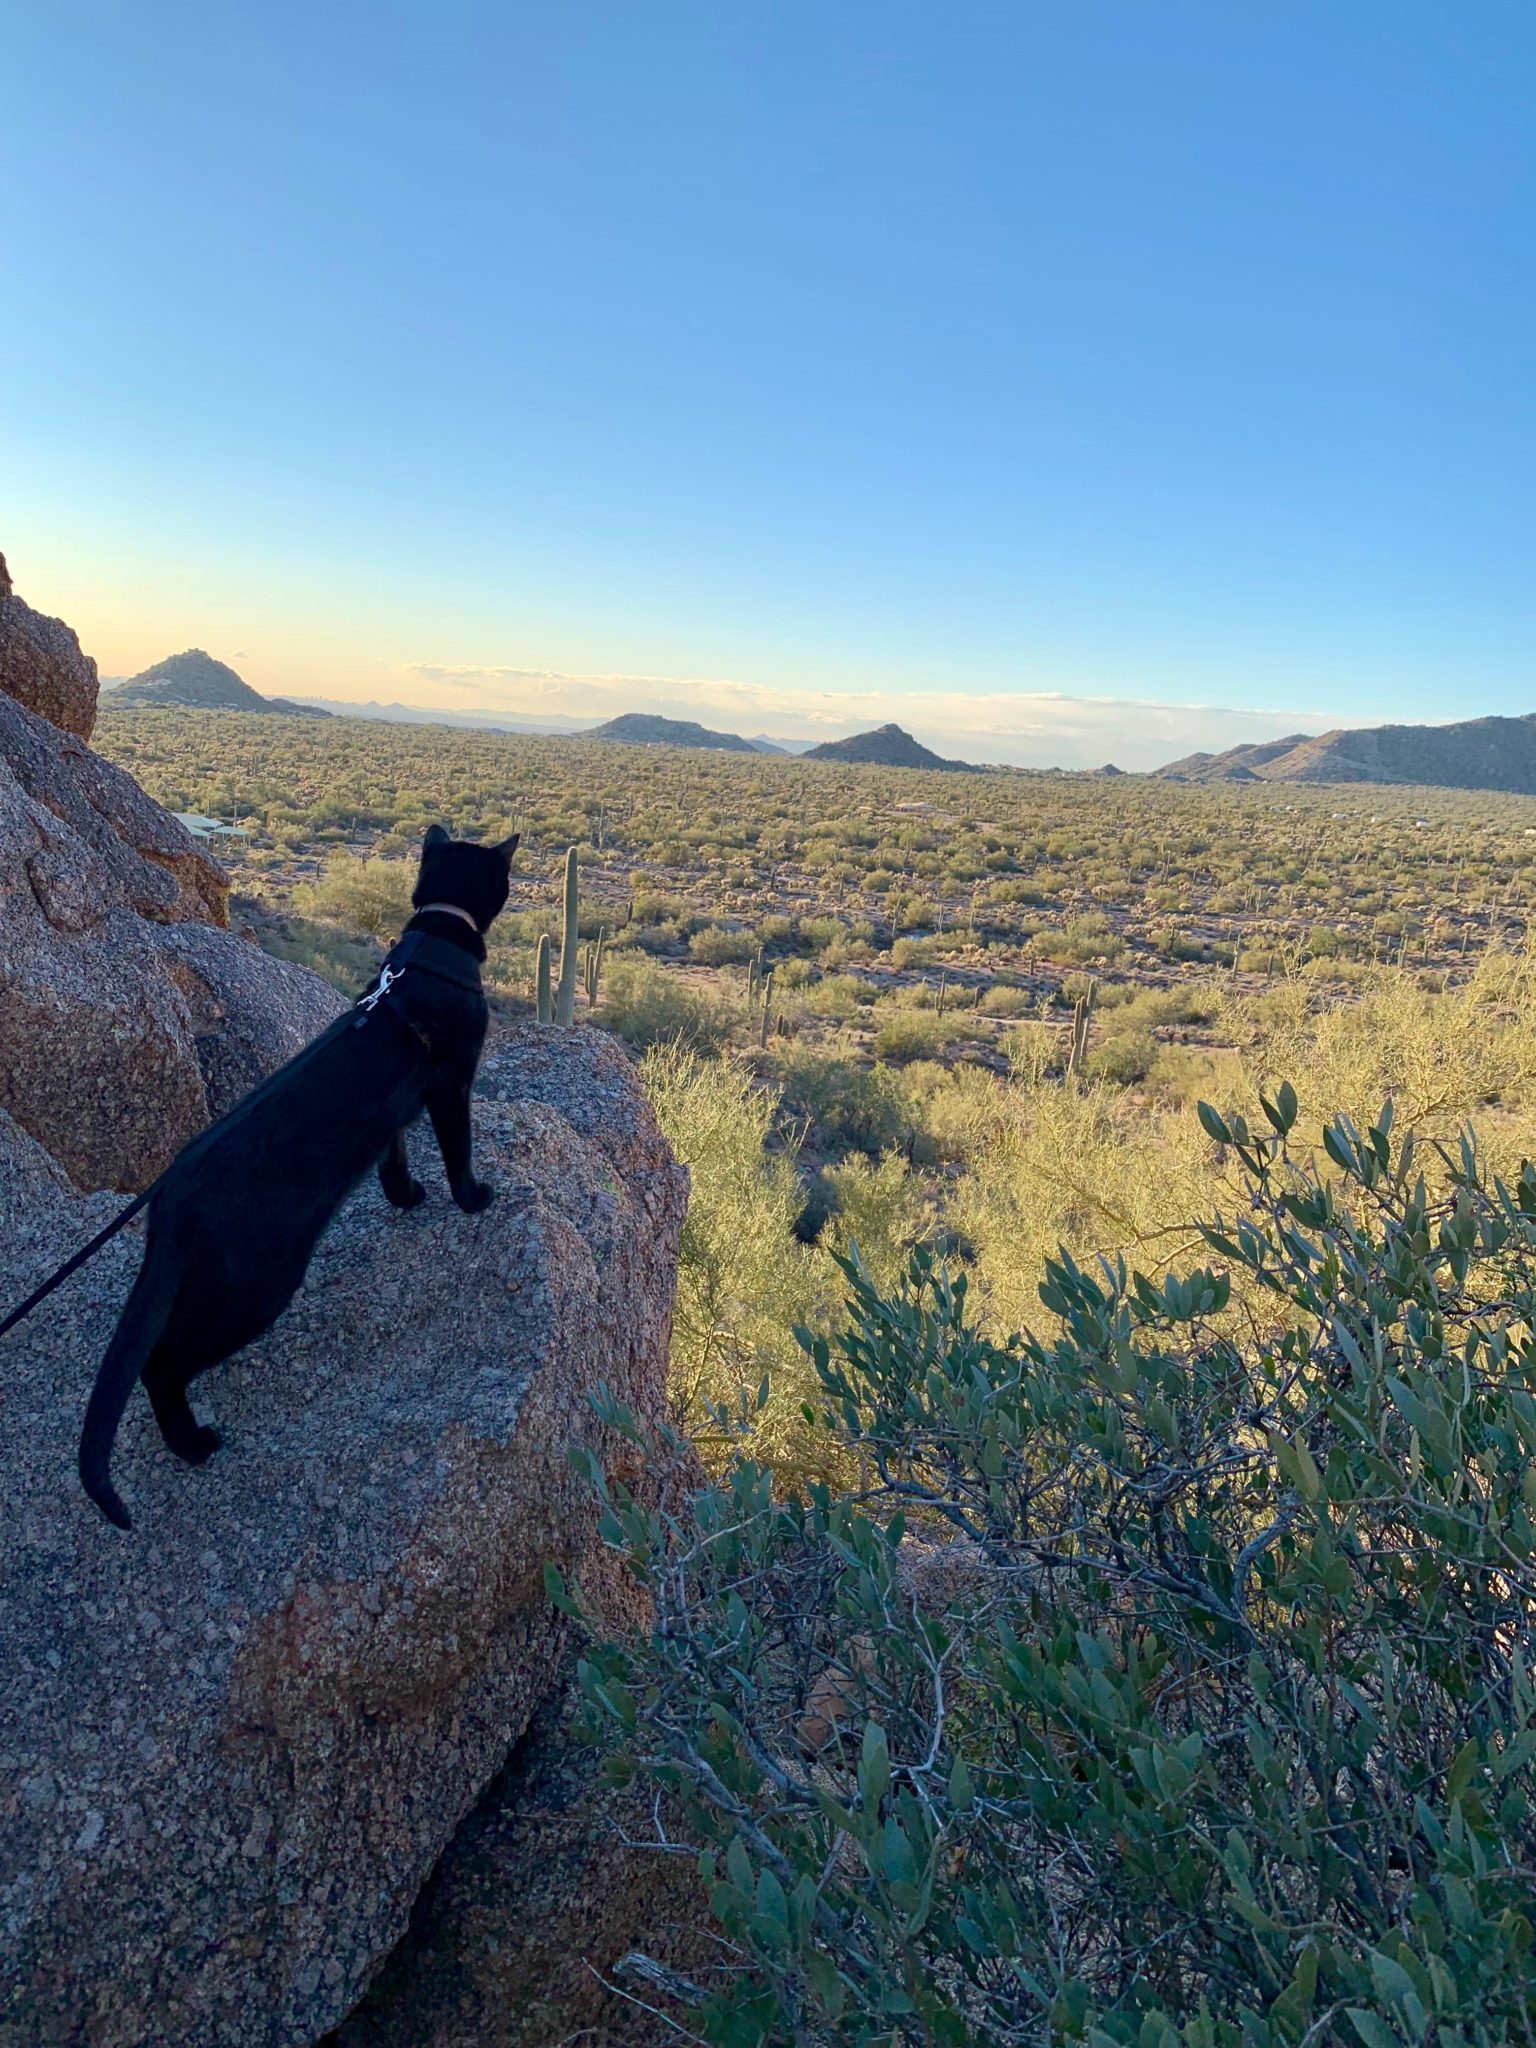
column 644, row 729
column 199, row 683
column 888, row 746
column 1475, row 753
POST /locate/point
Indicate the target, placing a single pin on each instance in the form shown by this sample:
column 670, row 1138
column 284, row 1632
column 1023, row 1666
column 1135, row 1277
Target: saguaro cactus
column 592, row 968
column 767, row 1016
column 1082, row 1019
column 545, row 1001
column 565, row 995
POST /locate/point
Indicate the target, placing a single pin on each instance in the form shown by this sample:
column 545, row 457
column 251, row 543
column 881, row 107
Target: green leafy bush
column 850, row 1107
column 910, row 1034
column 1168, row 1681
column 646, row 1007
column 369, row 898
column 1124, row 1059
column 714, row 946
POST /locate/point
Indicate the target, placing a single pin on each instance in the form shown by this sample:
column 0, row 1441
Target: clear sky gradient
column 1069, row 381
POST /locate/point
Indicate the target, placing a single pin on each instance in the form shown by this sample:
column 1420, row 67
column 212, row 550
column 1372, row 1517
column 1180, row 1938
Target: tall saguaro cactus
column 543, row 998
column 565, row 995
column 766, row 993
column 592, row 970
column 1082, row 1019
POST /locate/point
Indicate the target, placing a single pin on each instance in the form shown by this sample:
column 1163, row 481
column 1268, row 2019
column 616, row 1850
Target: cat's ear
column 437, row 835
column 507, row 847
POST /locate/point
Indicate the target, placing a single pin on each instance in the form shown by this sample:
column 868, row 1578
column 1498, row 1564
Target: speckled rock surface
column 554, row 1878
column 234, row 1743
column 128, row 1014
column 43, row 666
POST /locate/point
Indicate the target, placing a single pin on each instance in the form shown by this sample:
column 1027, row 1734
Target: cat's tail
column 145, row 1315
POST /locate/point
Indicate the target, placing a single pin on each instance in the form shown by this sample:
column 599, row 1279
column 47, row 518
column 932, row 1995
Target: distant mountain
column 427, row 714
column 760, row 745
column 1238, row 764
column 1475, row 753
column 644, row 729
column 200, row 683
column 886, row 747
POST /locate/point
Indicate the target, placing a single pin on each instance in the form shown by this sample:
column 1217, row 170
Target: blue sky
column 1073, row 381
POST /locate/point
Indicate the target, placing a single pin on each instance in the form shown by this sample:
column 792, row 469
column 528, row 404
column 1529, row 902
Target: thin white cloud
column 1043, row 728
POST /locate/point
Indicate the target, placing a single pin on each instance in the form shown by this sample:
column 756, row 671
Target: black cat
column 234, row 1219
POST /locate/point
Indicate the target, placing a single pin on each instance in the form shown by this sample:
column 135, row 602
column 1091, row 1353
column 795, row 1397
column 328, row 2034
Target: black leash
column 73, row 1265
column 427, row 954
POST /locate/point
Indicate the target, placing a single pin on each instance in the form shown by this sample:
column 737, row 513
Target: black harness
column 417, row 953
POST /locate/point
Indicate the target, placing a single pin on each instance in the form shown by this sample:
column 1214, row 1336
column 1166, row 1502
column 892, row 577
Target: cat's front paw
column 474, row 1196
column 411, row 1196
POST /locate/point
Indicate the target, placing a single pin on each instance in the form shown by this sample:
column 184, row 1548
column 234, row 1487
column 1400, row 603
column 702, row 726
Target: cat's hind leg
column 165, row 1381
column 395, row 1177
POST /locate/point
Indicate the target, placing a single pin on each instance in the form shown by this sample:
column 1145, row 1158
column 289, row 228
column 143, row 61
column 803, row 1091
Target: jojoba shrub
column 1165, row 1677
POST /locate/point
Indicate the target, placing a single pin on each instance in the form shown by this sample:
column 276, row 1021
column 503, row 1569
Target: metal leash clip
column 387, row 979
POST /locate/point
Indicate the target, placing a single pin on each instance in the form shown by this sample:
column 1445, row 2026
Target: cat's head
column 473, row 878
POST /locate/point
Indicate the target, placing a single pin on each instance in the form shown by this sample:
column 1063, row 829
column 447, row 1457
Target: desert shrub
column 370, row 898
column 954, row 1105
column 742, row 1277
column 818, row 934
column 652, row 907
column 1084, row 1168
column 347, row 963
column 1034, row 1050
column 645, row 1006
column 878, row 1207
column 1123, row 1059
column 1168, row 1682
column 910, row 1034
column 912, row 953
column 714, row 946
column 853, row 951
column 1092, row 937
column 849, row 1107
column 1001, row 1001
column 794, row 973
column 833, row 995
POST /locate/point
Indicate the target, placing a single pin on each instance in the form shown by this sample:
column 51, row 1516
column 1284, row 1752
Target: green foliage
column 743, row 1280
column 852, row 1107
column 1168, row 1681
column 914, row 1034
column 646, row 1006
column 368, row 898
column 714, row 946
column 878, row 1213
column 1124, row 1059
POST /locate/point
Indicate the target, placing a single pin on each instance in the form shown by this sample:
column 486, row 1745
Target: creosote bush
column 1168, row 1677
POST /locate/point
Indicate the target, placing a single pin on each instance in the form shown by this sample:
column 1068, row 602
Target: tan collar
column 453, row 910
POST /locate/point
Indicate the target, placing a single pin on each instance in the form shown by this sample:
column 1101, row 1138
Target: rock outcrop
column 520, row 1939
column 128, row 1014
column 234, row 1745
column 43, row 666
